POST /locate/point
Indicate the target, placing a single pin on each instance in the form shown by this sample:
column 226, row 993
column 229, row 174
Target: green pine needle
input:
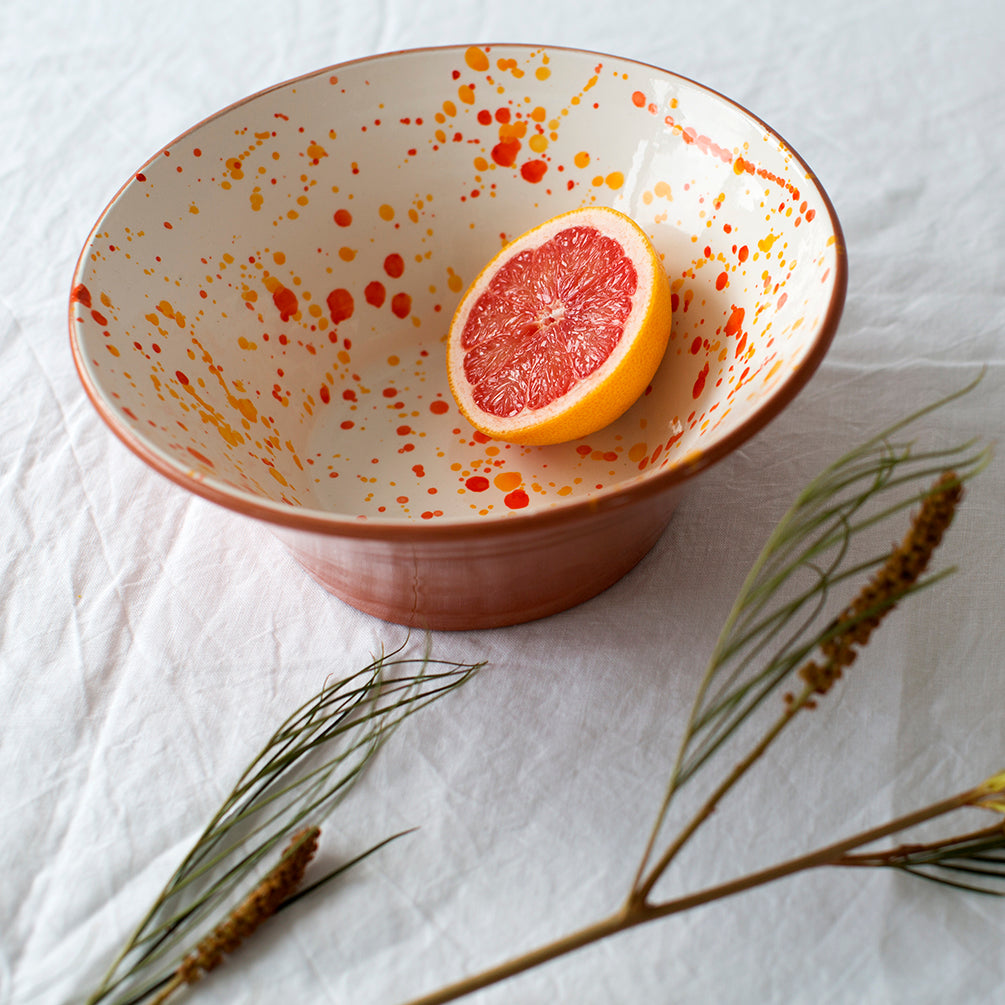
column 308, row 765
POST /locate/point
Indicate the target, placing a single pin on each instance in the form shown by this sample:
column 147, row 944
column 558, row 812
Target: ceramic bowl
column 260, row 314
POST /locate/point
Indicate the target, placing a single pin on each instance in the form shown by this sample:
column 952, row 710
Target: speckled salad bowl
column 260, row 314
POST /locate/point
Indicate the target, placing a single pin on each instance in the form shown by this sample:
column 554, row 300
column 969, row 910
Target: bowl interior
column 261, row 312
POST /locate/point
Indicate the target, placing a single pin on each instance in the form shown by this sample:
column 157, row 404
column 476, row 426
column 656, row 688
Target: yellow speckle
column 454, row 281
column 538, row 143
column 615, row 180
column 542, row 73
column 765, row 243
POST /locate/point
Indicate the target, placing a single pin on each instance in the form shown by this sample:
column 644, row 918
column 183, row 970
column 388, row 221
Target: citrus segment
column 562, row 331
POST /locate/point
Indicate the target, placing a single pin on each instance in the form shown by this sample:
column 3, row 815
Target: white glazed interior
column 184, row 337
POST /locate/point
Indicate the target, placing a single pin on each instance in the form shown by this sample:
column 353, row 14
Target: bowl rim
column 577, row 510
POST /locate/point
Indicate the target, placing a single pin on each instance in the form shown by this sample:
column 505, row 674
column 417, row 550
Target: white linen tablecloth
column 150, row 642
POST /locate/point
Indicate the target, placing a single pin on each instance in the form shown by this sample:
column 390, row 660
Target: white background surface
column 149, row 642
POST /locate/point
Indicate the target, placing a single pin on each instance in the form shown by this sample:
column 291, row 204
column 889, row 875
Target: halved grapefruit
column 562, row 331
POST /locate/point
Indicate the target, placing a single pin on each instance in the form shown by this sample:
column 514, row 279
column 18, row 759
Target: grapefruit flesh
column 562, row 331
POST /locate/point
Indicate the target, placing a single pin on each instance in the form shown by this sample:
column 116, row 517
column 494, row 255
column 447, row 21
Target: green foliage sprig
column 781, row 633
column 300, row 775
column 779, row 620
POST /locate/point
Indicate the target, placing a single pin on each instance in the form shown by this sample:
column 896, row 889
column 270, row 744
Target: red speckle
column 674, row 302
column 340, row 305
column 200, row 457
column 696, row 345
column 477, row 483
column 131, row 415
column 196, row 152
column 742, row 253
column 181, row 377
column 485, row 117
column 394, row 266
column 584, row 450
column 419, row 471
column 810, row 213
column 141, row 176
column 456, row 74
column 638, row 99
column 782, row 299
column 504, row 153
column 390, row 392
column 401, row 305
column 168, row 226
column 721, row 280
column 286, row 302
column 533, row 171
column 699, row 384
column 502, row 115
column 439, row 407
column 347, row 424
column 343, row 217
column 375, row 293
column 349, row 395
column 735, row 322
column 517, row 499
column 80, row 294
column 403, row 430
column 480, row 437
column 326, row 395
column 708, row 251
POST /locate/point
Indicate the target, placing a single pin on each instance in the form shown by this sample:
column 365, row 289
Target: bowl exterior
column 487, row 579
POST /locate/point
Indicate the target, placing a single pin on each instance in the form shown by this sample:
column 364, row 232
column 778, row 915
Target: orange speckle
column 386, row 212
column 582, row 159
column 638, row 99
column 506, row 481
column 346, row 254
column 466, row 94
